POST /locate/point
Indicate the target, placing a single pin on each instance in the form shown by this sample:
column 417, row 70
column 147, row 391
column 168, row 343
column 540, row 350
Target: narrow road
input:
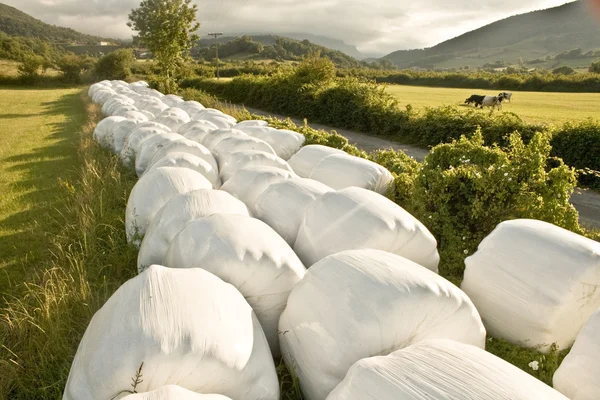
column 586, row 201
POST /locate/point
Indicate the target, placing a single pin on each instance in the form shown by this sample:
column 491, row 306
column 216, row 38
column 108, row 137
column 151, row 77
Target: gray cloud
column 375, row 26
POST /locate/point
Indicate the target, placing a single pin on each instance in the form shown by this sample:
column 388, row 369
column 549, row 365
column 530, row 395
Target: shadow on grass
column 39, row 194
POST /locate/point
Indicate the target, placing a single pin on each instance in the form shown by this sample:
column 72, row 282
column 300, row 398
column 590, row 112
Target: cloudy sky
column 373, row 26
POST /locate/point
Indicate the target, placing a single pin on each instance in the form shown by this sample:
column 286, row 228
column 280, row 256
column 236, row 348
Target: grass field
column 63, row 250
column 539, row 107
column 37, row 152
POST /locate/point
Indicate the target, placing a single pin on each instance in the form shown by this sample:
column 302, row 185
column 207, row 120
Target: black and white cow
column 506, row 95
column 492, row 101
column 475, row 99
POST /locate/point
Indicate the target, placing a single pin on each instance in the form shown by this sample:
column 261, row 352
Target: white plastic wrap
column 179, row 211
column 203, row 125
column 187, row 327
column 283, row 205
column 212, row 140
column 155, row 107
column 249, row 183
column 577, row 376
column 185, row 146
column 250, row 158
column 149, row 147
column 534, row 283
column 285, row 142
column 137, row 116
column 103, row 128
column 172, row 121
column 356, row 218
column 152, row 191
column 136, row 138
column 191, row 107
column 122, row 109
column 102, row 95
column 173, row 392
column 191, row 161
column 120, row 132
column 96, row 87
column 198, row 134
column 246, row 253
column 343, row 170
column 361, row 303
column 440, row 369
column 251, row 122
column 309, row 156
column 172, row 100
column 233, row 144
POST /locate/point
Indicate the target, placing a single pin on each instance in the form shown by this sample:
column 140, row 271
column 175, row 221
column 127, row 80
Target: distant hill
column 16, row 23
column 537, row 35
column 260, row 47
column 334, row 44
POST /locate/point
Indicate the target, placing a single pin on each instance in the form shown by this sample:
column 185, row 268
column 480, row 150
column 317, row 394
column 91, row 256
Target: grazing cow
column 492, row 101
column 475, row 99
column 506, row 95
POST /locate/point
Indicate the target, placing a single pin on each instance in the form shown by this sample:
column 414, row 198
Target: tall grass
column 41, row 326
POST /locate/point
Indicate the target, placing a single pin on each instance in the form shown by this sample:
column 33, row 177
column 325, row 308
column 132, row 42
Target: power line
column 215, row 34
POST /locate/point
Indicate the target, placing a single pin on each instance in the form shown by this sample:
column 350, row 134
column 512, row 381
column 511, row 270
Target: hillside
column 260, row 47
column 538, row 35
column 16, row 23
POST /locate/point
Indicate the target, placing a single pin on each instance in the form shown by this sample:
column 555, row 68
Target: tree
column 115, row 65
column 564, row 70
column 167, row 28
column 28, row 70
column 595, row 67
column 72, row 66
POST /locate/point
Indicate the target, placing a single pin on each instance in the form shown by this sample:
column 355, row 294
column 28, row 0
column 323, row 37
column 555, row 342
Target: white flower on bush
column 466, row 251
column 559, row 195
column 506, row 174
column 534, row 365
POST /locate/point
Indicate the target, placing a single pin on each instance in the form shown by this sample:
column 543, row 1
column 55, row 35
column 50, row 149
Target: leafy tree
column 564, row 70
column 115, row 65
column 72, row 67
column 167, row 28
column 31, row 64
column 595, row 67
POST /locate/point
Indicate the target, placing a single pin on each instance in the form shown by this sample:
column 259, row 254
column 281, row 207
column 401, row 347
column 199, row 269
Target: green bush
column 595, row 67
column 465, row 189
column 73, row 66
column 564, row 70
column 578, row 144
column 30, row 67
column 115, row 65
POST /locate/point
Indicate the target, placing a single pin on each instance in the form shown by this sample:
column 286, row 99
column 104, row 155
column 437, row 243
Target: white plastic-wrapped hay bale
column 120, row 132
column 377, row 302
column 247, row 253
column 250, row 122
column 154, row 190
column 172, row 121
column 534, row 283
column 155, row 107
column 233, row 144
column 149, row 147
column 440, row 369
column 283, row 205
column 309, row 156
column 187, row 327
column 285, row 142
column 96, row 87
column 247, row 184
column 103, row 128
column 186, row 146
column 114, row 102
column 175, row 112
column 203, row 125
column 212, row 140
column 191, row 107
column 122, row 109
column 173, row 392
column 172, row 100
column 137, row 116
column 102, row 95
column 250, row 158
column 577, row 376
column 223, row 121
column 356, row 218
column 191, row 161
column 198, row 134
column 138, row 135
column 179, row 211
column 343, row 170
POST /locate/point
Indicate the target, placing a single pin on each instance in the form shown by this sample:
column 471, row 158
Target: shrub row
column 312, row 90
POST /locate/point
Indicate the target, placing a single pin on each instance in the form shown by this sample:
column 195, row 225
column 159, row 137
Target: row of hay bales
column 253, row 246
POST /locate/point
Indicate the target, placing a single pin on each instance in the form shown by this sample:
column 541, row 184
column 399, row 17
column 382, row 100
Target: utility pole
column 215, row 34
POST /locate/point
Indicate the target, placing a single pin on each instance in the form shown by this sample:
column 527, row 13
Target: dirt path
column 586, row 201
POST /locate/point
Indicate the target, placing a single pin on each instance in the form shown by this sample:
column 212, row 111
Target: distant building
column 104, row 43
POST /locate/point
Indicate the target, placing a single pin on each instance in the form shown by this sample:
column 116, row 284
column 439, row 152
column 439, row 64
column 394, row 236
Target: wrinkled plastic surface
column 250, row 158
column 212, row 140
column 361, row 303
column 356, row 218
column 578, row 374
column 154, row 190
column 233, row 144
column 309, row 156
column 283, row 205
column 191, row 161
column 249, row 183
column 285, row 142
column 187, row 326
column 173, row 392
column 440, row 369
column 149, row 147
column 248, row 254
column 103, row 128
column 138, row 135
column 179, row 211
column 340, row 171
column 184, row 145
column 534, row 283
